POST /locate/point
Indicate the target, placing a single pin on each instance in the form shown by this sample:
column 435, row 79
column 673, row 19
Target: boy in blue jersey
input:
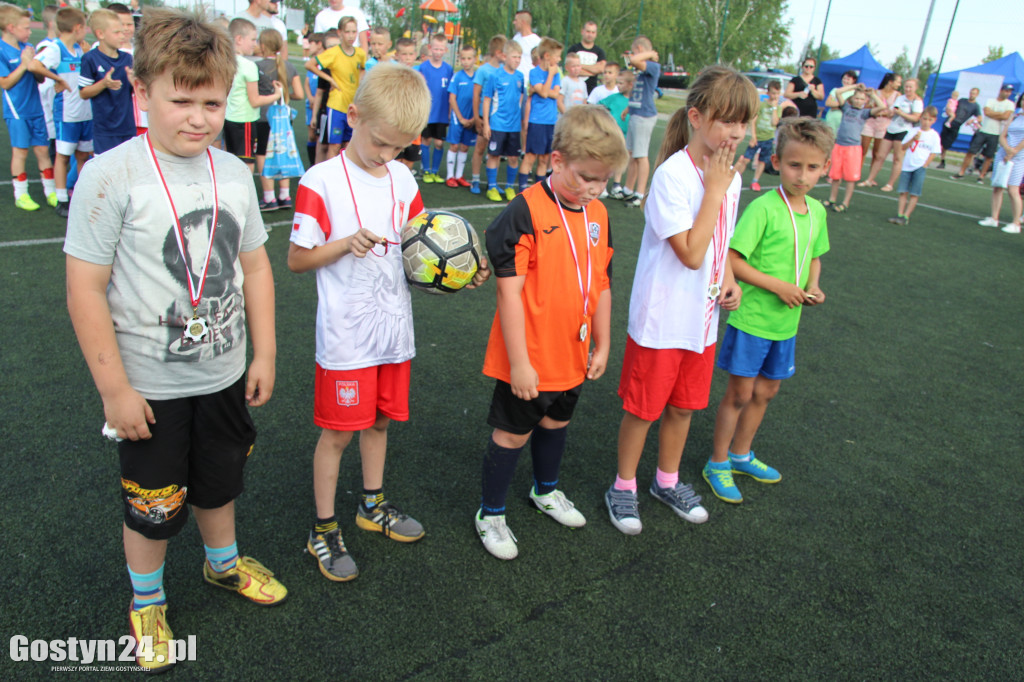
column 23, row 112
column 462, row 130
column 316, row 46
column 503, row 120
column 105, row 80
column 72, row 115
column 545, row 87
column 496, row 57
column 380, row 43
column 438, row 74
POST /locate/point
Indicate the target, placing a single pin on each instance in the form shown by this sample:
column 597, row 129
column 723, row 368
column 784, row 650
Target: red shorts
column 846, row 163
column 655, row 377
column 350, row 399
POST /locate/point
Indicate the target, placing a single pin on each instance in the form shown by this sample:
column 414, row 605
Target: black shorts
column 196, row 455
column 322, row 133
column 520, row 417
column 411, row 154
column 985, row 144
column 948, row 136
column 240, row 139
column 895, row 137
column 262, row 137
column 435, row 131
column 504, row 144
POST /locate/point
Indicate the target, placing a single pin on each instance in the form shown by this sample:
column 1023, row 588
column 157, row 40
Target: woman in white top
column 906, row 111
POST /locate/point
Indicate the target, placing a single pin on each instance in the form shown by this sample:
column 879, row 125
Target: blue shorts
column 459, row 135
column 766, row 151
column 73, row 136
column 746, row 355
column 27, row 132
column 338, row 130
column 539, row 137
column 504, row 144
column 102, row 143
column 911, row 181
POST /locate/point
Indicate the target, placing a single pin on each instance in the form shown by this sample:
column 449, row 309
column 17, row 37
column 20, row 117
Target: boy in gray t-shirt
column 847, row 156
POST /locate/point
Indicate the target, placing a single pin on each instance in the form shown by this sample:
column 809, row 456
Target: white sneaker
column 496, row 536
column 1012, row 228
column 988, row 222
column 557, row 507
column 603, row 195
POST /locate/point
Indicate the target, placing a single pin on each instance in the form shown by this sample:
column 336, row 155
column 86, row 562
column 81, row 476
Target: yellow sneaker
column 51, row 199
column 493, row 194
column 153, row 650
column 249, row 578
column 25, row 203
column 510, row 193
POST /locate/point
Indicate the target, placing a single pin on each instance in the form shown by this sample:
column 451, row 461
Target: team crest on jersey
column 594, row 231
column 348, row 393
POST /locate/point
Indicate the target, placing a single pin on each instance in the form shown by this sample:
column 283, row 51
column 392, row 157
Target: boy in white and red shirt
column 920, row 144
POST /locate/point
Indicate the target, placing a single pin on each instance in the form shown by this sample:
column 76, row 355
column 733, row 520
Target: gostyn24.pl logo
column 88, row 651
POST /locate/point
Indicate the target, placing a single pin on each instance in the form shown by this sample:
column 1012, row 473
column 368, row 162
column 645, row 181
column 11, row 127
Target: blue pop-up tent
column 986, row 77
column 869, row 70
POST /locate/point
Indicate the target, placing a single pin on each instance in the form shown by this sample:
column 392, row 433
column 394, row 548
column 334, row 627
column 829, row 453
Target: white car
column 762, row 78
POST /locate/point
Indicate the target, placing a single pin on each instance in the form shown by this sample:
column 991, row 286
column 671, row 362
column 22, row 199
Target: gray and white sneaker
column 332, row 557
column 683, row 501
column 617, row 193
column 623, row 510
column 635, row 201
column 496, row 536
column 555, row 505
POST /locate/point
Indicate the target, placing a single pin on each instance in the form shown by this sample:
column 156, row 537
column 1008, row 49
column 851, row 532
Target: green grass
column 891, row 550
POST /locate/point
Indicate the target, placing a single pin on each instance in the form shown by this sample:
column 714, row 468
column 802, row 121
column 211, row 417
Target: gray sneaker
column 623, row 510
column 332, row 557
column 387, row 519
column 683, row 501
column 617, row 193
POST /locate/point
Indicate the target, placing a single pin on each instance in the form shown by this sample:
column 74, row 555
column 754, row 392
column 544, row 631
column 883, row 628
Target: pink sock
column 623, row 484
column 666, row 480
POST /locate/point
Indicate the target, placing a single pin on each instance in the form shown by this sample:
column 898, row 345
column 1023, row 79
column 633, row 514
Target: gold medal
column 195, row 329
column 713, row 291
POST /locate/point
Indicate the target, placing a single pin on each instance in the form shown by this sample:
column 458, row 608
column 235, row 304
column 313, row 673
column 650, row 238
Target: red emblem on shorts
column 348, row 393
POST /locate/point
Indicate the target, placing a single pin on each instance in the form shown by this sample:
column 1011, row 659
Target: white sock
column 268, row 196
column 284, row 193
column 49, row 186
column 451, row 163
column 62, row 195
column 460, row 163
column 20, row 187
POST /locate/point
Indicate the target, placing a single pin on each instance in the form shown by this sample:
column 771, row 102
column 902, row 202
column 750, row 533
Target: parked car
column 675, row 78
column 762, row 78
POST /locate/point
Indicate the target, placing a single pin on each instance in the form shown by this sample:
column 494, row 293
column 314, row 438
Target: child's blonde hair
column 196, row 53
column 571, row 57
column 931, row 111
column 548, row 45
column 10, row 14
column 68, row 18
column 99, row 19
column 642, row 42
column 395, row 94
column 805, row 130
column 496, row 45
column 271, row 45
column 48, row 15
column 240, row 26
column 720, row 93
column 588, row 131
column 628, row 76
column 344, row 21
column 512, row 46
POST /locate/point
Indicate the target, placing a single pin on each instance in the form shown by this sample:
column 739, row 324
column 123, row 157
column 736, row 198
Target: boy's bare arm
column 39, row 69
column 258, row 288
column 512, row 317
column 27, row 57
column 788, row 293
column 124, row 409
column 485, row 119
column 301, row 259
column 815, row 296
column 602, row 322
column 314, row 66
column 257, row 100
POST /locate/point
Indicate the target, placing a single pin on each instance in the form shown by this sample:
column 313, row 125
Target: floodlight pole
column 568, row 22
column 938, row 69
column 821, row 43
column 924, row 35
column 721, row 33
column 639, row 17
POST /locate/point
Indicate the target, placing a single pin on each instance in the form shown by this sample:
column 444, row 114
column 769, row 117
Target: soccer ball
column 440, row 251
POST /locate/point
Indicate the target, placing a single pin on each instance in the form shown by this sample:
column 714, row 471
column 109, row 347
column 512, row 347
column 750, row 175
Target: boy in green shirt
column 244, row 100
column 775, row 255
column 762, row 132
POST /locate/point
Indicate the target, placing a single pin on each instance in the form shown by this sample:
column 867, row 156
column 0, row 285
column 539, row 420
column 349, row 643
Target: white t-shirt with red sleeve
column 669, row 306
column 364, row 311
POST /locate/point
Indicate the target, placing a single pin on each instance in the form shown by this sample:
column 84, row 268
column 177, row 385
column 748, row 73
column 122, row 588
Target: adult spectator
column 835, row 113
column 527, row 39
column 966, row 109
column 592, row 57
column 806, row 89
column 260, row 14
column 986, row 140
column 1011, row 142
column 906, row 112
column 336, row 9
column 874, row 129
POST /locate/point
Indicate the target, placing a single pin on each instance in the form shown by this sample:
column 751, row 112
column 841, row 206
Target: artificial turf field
column 890, row 550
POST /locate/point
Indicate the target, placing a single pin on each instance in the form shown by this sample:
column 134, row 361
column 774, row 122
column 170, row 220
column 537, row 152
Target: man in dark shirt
column 592, row 57
column 966, row 109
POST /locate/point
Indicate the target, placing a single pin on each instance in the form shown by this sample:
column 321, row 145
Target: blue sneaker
column 755, row 468
column 719, row 477
column 475, row 188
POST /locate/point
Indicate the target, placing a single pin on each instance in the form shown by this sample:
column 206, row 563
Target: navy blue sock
column 547, row 447
column 499, row 467
column 524, row 181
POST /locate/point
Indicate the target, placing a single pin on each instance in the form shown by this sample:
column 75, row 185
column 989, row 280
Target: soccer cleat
column 1012, row 228
column 462, row 182
column 285, row 203
column 496, row 536
column 51, row 199
column 510, row 193
column 494, row 195
column 989, row 222
column 475, row 187
column 451, row 182
column 332, row 557
column 623, row 510
column 153, row 651
column 63, row 208
column 957, row 176
column 756, row 186
column 719, row 477
column 25, row 203
column 617, row 193
column 387, row 519
column 555, row 505
column 428, row 177
column 635, row 201
column 756, row 469
column 268, row 205
column 683, row 501
column 249, row 578
column 898, row 220
column 942, row 164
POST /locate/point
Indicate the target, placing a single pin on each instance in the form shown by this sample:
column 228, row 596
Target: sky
column 851, row 23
